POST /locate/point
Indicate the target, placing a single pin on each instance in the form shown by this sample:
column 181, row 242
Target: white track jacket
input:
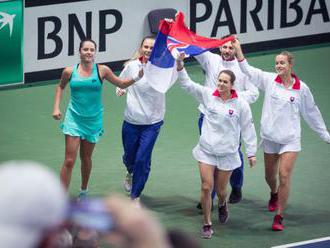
column 280, row 120
column 223, row 121
column 212, row 64
column 144, row 105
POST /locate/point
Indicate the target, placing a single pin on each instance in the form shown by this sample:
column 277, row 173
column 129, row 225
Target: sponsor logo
column 7, row 19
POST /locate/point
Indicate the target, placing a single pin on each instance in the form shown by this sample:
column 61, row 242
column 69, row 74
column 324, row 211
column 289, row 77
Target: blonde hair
column 289, row 56
column 137, row 54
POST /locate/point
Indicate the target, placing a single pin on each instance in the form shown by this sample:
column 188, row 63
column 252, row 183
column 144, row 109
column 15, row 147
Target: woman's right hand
column 120, row 92
column 57, row 114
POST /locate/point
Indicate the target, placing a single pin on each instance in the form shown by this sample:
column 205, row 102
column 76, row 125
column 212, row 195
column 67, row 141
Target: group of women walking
column 231, row 84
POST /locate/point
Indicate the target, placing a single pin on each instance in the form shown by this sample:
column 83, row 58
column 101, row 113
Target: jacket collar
column 233, row 94
column 296, row 84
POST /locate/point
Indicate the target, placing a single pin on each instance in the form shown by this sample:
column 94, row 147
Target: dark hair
column 82, row 42
column 230, row 74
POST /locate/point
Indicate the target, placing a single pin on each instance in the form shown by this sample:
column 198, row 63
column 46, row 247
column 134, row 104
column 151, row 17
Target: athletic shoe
column 273, row 202
column 128, row 182
column 82, row 195
column 206, row 232
column 199, row 206
column 235, row 195
column 137, row 203
column 223, row 213
column 277, row 223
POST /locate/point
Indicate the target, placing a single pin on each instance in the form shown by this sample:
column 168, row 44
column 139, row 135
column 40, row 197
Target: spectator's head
column 33, row 204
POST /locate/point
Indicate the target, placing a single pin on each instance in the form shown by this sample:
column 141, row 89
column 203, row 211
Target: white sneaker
column 128, row 182
column 137, row 202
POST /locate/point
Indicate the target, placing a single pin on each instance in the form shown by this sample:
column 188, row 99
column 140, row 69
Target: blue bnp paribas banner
column 11, row 42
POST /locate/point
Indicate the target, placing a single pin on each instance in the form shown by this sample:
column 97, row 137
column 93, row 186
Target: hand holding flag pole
column 179, row 61
column 173, row 38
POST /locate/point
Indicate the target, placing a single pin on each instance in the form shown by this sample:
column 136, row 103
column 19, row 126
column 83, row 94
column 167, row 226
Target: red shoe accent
column 273, row 202
column 277, row 223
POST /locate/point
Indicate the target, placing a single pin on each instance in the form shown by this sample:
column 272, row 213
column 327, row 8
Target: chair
column 156, row 15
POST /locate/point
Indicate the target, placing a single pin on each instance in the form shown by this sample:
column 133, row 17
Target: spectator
column 33, row 205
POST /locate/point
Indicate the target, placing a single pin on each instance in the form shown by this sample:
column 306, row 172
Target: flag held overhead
column 173, row 38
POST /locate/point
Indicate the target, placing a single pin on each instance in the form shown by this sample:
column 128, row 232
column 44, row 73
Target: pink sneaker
column 277, row 223
column 273, row 202
column 206, row 232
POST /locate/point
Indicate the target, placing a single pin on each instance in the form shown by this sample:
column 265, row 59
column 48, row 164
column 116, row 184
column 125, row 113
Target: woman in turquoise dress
column 83, row 122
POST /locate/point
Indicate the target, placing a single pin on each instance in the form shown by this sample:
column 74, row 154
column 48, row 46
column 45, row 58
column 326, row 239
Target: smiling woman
column 143, row 118
column 227, row 117
column 286, row 97
column 83, row 123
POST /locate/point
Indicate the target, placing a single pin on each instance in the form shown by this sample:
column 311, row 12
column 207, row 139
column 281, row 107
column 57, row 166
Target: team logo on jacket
column 292, row 99
column 231, row 112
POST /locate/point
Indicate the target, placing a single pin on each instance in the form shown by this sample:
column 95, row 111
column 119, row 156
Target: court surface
column 27, row 131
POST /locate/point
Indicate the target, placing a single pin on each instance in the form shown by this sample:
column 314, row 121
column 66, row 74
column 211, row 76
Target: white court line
column 302, row 243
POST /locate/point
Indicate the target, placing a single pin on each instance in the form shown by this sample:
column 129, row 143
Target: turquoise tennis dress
column 84, row 115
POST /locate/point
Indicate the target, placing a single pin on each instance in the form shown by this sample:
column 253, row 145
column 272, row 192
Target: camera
column 91, row 214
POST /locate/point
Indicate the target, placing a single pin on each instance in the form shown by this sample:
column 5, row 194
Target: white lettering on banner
column 292, row 17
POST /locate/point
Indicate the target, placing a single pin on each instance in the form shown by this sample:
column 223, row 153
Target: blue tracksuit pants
column 138, row 142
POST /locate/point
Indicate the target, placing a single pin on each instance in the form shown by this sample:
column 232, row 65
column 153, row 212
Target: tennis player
column 212, row 64
column 83, row 123
column 143, row 118
column 227, row 117
column 286, row 98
